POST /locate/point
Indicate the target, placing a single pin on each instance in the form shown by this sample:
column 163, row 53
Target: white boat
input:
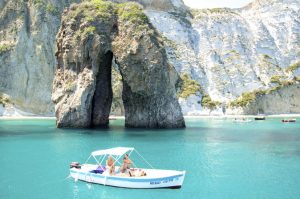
column 99, row 173
column 289, row 120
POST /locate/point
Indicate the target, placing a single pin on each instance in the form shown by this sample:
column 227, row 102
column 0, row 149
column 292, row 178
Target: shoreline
column 185, row 117
column 243, row 116
column 26, row 117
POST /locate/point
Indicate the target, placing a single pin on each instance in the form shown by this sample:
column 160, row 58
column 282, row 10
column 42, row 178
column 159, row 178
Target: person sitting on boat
column 111, row 164
column 137, row 173
column 126, row 164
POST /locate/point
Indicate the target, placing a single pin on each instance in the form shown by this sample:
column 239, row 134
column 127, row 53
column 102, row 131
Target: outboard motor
column 75, row 165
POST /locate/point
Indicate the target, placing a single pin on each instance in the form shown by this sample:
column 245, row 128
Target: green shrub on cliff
column 188, row 86
column 208, row 102
column 244, row 99
column 247, row 97
column 51, row 9
column 265, row 56
column 276, row 88
column 88, row 30
column 4, row 100
column 92, row 10
column 85, row 32
column 43, row 6
column 5, row 47
column 276, row 79
column 132, row 12
column 38, row 3
column 70, row 86
column 297, row 78
column 293, row 67
column 104, row 9
column 217, row 10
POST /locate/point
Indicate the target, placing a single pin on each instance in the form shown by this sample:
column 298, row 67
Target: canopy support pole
column 87, row 159
column 96, row 160
column 144, row 159
column 117, row 159
column 102, row 159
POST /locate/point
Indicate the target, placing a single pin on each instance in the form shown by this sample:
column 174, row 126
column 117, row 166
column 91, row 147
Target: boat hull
column 174, row 180
column 260, row 118
column 288, row 120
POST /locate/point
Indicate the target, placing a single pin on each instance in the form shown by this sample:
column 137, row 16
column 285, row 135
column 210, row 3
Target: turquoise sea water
column 223, row 159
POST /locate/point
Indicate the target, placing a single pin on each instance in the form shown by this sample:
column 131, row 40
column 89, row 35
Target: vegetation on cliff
column 4, row 100
column 293, row 67
column 48, row 7
column 246, row 98
column 249, row 97
column 105, row 10
column 277, row 79
column 132, row 12
column 190, row 87
column 91, row 11
column 208, row 102
column 5, row 47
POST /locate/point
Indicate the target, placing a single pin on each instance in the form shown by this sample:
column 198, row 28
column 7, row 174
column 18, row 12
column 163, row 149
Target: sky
column 216, row 3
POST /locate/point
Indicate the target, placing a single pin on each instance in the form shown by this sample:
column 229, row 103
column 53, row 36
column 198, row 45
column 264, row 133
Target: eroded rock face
column 27, row 64
column 232, row 51
column 92, row 34
column 285, row 100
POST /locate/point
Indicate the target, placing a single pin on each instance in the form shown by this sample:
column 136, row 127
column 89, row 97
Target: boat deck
column 150, row 173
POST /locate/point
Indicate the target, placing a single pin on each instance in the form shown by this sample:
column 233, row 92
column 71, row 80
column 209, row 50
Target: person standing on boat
column 111, row 164
column 126, row 164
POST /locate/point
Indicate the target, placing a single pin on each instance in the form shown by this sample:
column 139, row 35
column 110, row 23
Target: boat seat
column 99, row 170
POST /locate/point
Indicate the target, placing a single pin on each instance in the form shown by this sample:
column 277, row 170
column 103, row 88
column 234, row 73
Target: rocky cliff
column 221, row 54
column 94, row 33
column 284, row 100
column 27, row 47
column 230, row 52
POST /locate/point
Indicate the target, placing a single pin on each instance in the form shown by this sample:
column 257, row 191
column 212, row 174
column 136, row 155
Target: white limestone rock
column 232, row 51
column 228, row 51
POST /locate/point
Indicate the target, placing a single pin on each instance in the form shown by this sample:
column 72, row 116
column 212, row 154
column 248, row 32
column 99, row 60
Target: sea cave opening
column 107, row 97
column 102, row 98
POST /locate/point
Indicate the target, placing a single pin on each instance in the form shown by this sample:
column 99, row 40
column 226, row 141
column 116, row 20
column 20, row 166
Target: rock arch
column 91, row 35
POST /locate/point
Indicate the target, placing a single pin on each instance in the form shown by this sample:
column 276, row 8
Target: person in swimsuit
column 126, row 164
column 111, row 164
